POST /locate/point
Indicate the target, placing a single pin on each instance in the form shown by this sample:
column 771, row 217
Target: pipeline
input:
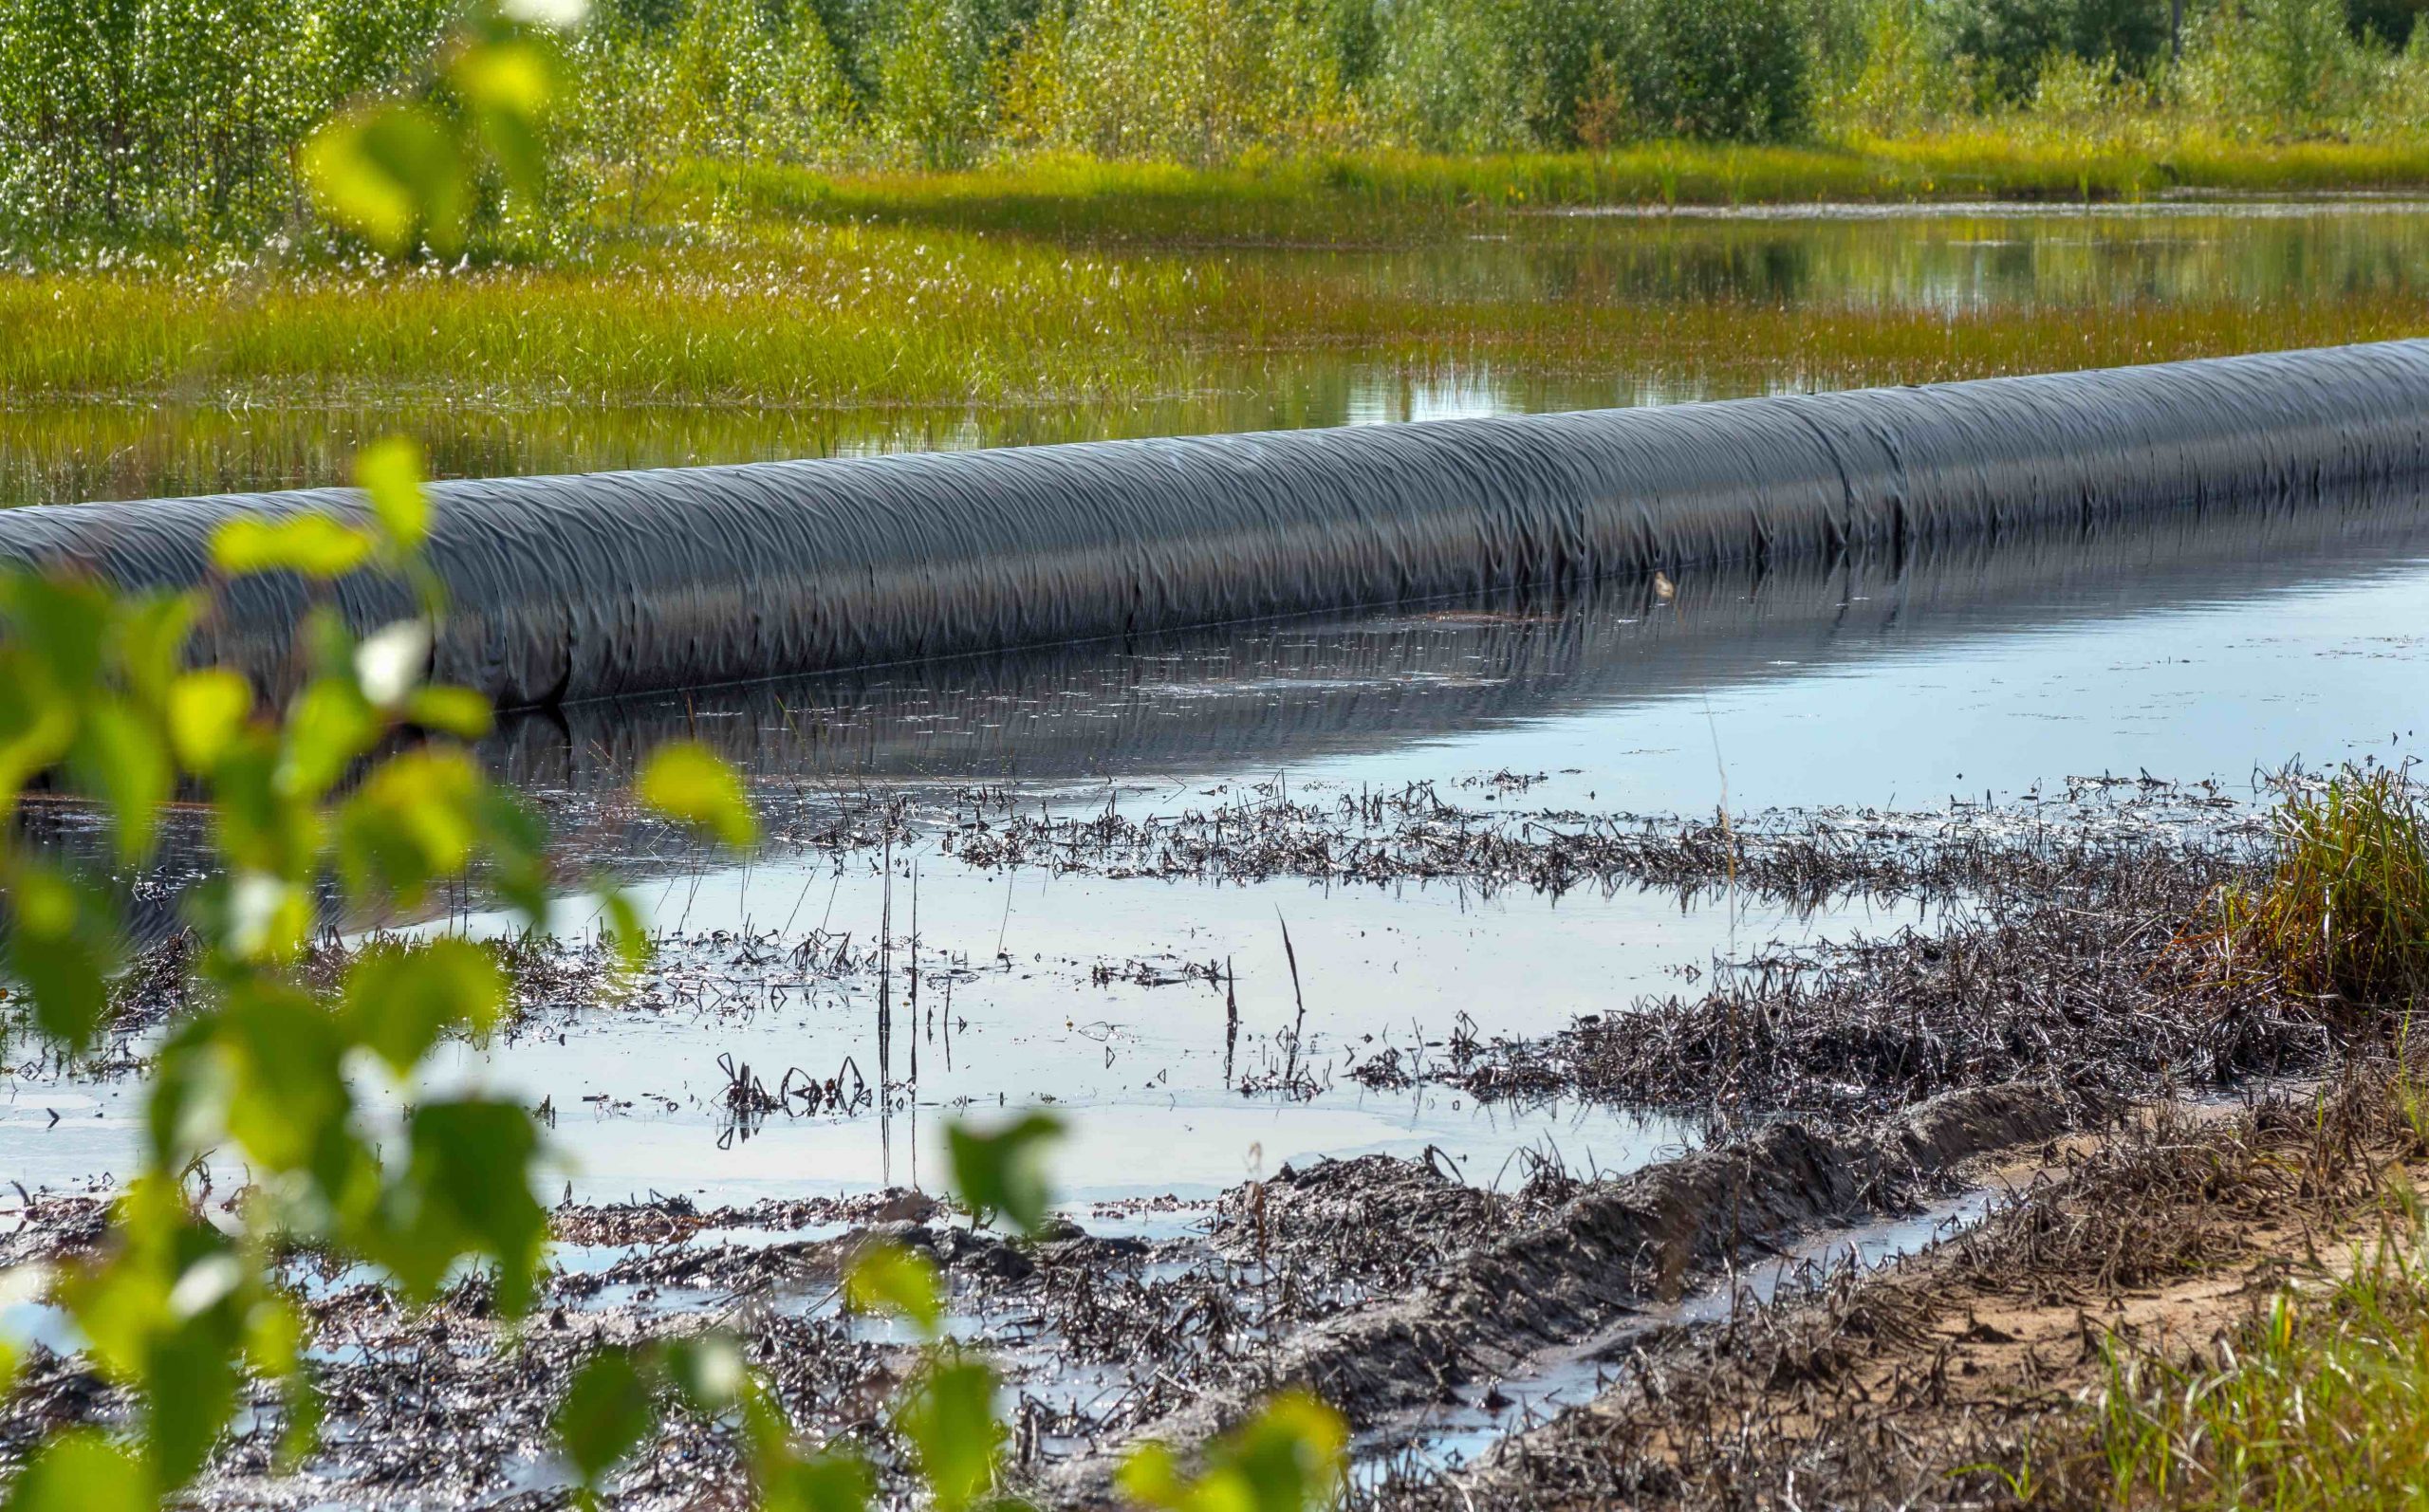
column 1206, row 702
column 570, row 588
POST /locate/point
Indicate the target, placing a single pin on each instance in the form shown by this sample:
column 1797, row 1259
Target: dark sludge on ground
column 2042, row 1037
column 1975, row 1374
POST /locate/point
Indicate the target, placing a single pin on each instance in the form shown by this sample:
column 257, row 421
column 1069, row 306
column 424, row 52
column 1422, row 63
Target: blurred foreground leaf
column 312, row 545
column 1290, row 1458
column 686, row 781
column 950, row 1419
column 1004, row 1171
column 611, row 1408
column 891, row 1280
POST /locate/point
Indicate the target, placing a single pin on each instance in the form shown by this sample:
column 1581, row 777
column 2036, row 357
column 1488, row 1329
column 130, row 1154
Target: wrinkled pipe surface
column 575, row 587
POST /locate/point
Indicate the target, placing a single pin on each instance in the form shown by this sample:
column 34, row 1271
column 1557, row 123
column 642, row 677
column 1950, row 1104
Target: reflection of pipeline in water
column 576, row 587
column 1278, row 694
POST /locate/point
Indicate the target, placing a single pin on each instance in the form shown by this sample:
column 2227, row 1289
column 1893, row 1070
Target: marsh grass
column 2343, row 916
column 866, row 316
column 1357, row 198
column 2319, row 1401
column 1099, row 298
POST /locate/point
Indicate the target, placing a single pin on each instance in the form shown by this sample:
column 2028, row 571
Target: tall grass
column 2344, row 915
column 2319, row 1401
column 852, row 315
column 1389, row 197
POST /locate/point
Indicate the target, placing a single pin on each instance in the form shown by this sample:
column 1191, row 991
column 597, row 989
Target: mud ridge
column 1614, row 1246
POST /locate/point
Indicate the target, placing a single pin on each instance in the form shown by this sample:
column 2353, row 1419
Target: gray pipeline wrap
column 576, row 587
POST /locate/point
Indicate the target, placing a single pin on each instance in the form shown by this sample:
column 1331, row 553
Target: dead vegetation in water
column 1411, row 835
column 2134, row 968
column 1393, row 1282
column 2081, row 978
column 1279, row 1256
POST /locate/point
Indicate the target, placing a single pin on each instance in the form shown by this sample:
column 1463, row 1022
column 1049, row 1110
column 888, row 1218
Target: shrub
column 160, row 115
column 931, row 74
column 2274, row 66
column 1447, row 78
column 2006, row 42
column 1720, row 70
column 660, row 79
column 1898, row 77
column 1193, row 80
column 2388, row 21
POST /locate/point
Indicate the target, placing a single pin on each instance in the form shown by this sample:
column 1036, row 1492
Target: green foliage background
column 183, row 116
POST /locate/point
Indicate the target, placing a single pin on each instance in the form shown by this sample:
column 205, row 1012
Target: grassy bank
column 1350, row 199
column 1062, row 284
column 643, row 336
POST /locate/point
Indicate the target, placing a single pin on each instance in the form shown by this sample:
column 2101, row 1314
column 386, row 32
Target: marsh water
column 1160, row 1011
column 1680, row 284
column 2196, row 648
column 1200, row 1030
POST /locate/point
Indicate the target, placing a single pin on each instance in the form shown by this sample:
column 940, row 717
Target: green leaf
column 1004, row 1171
column 151, row 642
column 37, row 721
column 259, row 824
column 415, row 821
column 290, row 1103
column 121, row 758
column 274, row 1341
column 389, row 174
column 190, row 1391
column 610, row 1409
column 19, row 1284
column 686, row 781
column 1290, row 1458
column 63, row 945
column 164, row 1316
column 518, row 848
column 624, row 927
column 458, row 711
column 507, row 85
column 467, row 1191
column 312, row 545
column 708, row 1370
column 261, row 917
column 828, row 1482
column 1150, row 1476
column 206, row 709
column 401, row 1000
column 80, row 1471
column 390, row 473
column 950, row 1419
column 64, row 623
column 888, row 1278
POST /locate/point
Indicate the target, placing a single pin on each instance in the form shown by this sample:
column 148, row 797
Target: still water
column 2195, row 648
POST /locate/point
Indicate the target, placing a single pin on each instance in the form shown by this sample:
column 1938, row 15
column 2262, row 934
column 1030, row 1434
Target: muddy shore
column 1856, row 1082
